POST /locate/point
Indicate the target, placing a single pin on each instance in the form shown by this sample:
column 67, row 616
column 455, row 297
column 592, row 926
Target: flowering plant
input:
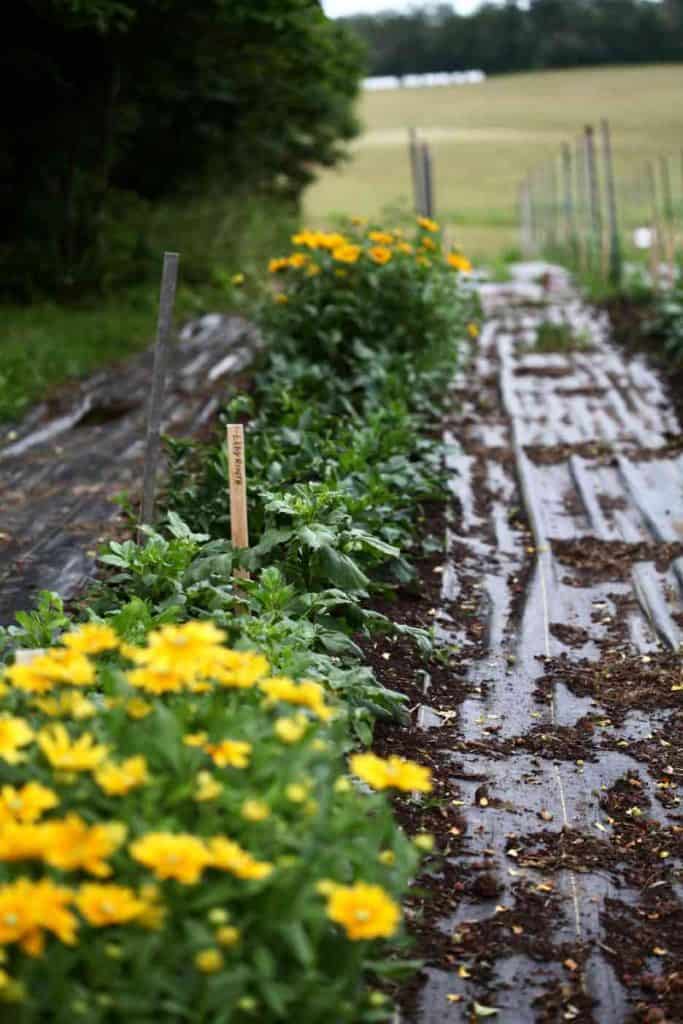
column 180, row 834
column 368, row 288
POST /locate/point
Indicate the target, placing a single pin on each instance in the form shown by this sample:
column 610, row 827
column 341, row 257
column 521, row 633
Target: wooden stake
column 581, row 205
column 169, row 279
column 569, row 217
column 428, row 179
column 594, row 194
column 416, row 172
column 614, row 240
column 656, row 247
column 239, row 525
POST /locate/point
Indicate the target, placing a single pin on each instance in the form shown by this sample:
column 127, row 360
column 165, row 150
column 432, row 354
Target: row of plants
column 189, row 829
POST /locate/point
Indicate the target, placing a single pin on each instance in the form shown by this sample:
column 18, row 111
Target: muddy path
column 62, row 467
column 555, row 726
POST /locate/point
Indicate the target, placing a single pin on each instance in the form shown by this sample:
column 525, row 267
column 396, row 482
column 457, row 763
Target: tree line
column 508, row 37
column 113, row 105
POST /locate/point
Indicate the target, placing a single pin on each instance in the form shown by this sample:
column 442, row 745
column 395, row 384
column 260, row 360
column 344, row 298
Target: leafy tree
column 118, row 103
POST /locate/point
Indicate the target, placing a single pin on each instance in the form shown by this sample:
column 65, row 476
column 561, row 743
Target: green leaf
column 340, row 569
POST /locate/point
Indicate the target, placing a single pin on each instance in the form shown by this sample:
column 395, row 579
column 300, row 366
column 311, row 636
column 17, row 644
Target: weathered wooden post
column 581, row 204
column 169, row 280
column 569, row 211
column 656, row 247
column 594, row 196
column 614, row 261
column 416, row 172
column 526, row 220
column 553, row 207
column 428, row 179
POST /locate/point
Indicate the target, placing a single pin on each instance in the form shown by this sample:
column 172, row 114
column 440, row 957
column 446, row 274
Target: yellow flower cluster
column 393, row 773
column 66, row 824
column 28, row 909
column 184, row 857
column 377, row 246
column 69, row 844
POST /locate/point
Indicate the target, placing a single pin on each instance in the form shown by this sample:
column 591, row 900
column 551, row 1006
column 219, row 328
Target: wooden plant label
column 239, row 525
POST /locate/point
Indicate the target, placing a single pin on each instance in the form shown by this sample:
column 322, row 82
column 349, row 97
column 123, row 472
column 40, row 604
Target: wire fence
column 575, row 209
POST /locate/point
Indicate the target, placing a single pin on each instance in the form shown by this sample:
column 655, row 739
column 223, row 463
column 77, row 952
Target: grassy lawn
column 45, row 344
column 486, row 137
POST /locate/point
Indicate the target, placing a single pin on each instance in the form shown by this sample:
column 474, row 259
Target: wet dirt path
column 62, row 466
column 558, row 742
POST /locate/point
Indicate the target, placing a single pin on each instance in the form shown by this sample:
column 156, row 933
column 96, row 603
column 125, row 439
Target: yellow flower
column 14, row 733
column 364, row 911
column 239, row 669
column 119, row 779
column 424, row 841
column 68, row 704
column 79, row 755
column 427, row 224
column 237, row 279
column 428, row 243
column 394, row 773
column 26, row 804
column 296, row 793
column 104, row 905
column 21, row 842
column 208, row 961
column 72, row 845
column 306, row 694
column 195, row 739
column 404, row 247
column 91, row 638
column 136, row 707
column 228, row 936
column 281, row 299
column 28, row 908
column 229, row 753
column 298, row 260
column 459, row 262
column 180, row 856
column 381, row 237
column 156, row 680
column 208, row 787
column 346, row 253
column 380, row 254
column 64, row 666
column 184, row 651
column 387, row 857
column 277, row 264
column 227, row 855
column 255, row 810
column 473, row 330
column 26, row 678
column 290, row 730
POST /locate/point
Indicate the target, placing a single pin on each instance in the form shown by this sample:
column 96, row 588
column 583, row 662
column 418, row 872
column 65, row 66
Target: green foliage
column 122, row 105
column 667, row 322
column 280, row 956
column 516, row 37
column 339, row 470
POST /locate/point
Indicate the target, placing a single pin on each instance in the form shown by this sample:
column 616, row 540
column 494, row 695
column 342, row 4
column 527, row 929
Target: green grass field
column 485, row 138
